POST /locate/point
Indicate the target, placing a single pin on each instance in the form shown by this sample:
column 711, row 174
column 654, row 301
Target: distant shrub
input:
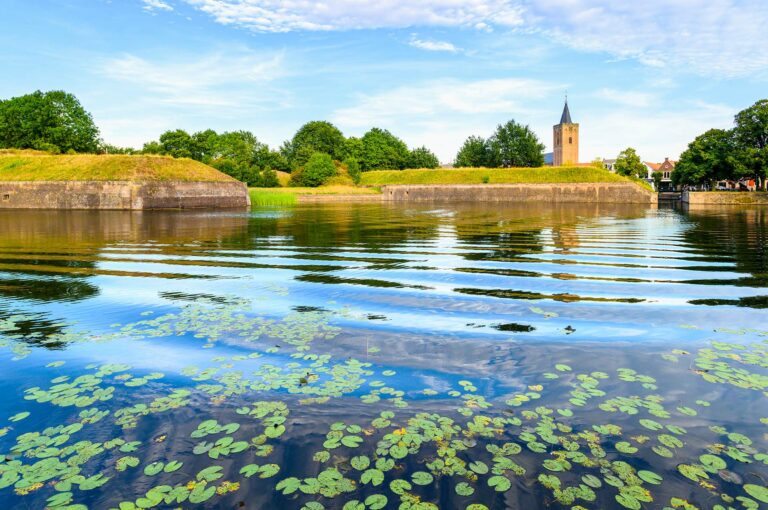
column 317, row 171
column 353, row 169
column 269, row 179
column 46, row 146
column 486, row 179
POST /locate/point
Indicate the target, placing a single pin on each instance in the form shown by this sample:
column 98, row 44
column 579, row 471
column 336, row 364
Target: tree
column 52, row 119
column 515, row 145
column 657, row 180
column 241, row 146
column 710, row 157
column 383, row 151
column 317, row 171
column 421, row 157
column 179, row 144
column 353, row 169
column 315, row 136
column 474, row 153
column 751, row 137
column 628, row 164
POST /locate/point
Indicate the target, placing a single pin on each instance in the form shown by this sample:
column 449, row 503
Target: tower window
column 570, row 139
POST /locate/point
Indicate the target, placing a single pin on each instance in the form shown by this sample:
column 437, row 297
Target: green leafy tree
column 710, row 157
column 751, row 137
column 383, row 151
column 657, row 180
column 515, row 145
column 316, row 172
column 353, row 169
column 474, row 153
column 52, row 120
column 241, row 146
column 179, row 144
column 315, row 136
column 267, row 158
column 353, row 148
column 629, row 164
column 421, row 157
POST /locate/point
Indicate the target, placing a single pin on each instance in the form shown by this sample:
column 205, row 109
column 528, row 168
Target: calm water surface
column 375, row 356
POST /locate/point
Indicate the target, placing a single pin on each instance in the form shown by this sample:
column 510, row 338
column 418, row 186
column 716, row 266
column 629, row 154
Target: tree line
column 56, row 122
column 728, row 154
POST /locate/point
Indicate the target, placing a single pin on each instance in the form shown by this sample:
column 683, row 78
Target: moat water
column 367, row 356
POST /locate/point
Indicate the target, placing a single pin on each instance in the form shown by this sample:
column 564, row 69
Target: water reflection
column 342, row 312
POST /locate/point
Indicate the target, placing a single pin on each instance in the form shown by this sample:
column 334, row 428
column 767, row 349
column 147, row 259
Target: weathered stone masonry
column 607, row 193
column 123, row 195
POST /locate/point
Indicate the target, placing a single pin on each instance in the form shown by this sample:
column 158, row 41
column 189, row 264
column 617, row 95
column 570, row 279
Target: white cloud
column 442, row 114
column 221, row 79
column 430, row 45
column 626, row 97
column 655, row 134
column 156, row 5
column 713, row 37
column 293, row 15
column 444, row 97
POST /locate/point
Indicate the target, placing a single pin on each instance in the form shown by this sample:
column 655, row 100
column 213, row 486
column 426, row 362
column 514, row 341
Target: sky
column 650, row 75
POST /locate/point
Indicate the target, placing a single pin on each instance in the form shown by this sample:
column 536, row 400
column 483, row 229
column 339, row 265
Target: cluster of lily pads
column 561, row 440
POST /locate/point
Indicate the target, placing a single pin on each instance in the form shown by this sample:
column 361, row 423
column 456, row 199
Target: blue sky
column 651, row 74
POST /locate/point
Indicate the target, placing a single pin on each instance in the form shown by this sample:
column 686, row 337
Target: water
column 380, row 356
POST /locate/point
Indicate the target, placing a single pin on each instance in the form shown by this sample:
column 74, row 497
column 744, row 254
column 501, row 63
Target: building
column 665, row 169
column 566, row 140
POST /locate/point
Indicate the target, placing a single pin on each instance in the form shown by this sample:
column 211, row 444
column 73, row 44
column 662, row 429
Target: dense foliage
column 236, row 153
column 741, row 152
column 316, row 172
column 381, row 150
column 512, row 145
column 315, row 136
column 54, row 121
column 629, row 164
column 421, row 157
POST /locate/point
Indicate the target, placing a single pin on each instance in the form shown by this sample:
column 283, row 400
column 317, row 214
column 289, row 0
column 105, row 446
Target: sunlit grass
column 41, row 166
column 542, row 175
column 261, row 197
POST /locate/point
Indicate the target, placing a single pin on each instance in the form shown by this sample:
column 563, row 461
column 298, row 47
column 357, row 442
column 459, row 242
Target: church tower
column 566, row 140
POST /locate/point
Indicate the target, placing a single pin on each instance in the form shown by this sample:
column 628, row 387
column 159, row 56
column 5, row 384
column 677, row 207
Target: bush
column 45, row 146
column 353, row 169
column 317, row 171
column 422, row 158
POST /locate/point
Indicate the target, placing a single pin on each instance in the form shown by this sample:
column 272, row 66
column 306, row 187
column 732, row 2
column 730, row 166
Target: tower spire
column 565, row 118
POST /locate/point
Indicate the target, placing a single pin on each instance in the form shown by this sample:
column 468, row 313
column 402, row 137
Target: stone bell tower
column 566, row 140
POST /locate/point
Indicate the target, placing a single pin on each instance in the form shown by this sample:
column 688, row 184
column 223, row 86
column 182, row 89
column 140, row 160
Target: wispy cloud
column 431, row 45
column 626, row 97
column 713, row 37
column 445, row 97
column 156, row 5
column 221, row 79
column 293, row 15
column 443, row 113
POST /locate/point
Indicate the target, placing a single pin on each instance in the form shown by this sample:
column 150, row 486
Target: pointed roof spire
column 565, row 118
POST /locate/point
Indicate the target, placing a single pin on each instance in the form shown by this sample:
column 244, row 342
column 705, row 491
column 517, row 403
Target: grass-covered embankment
column 41, row 166
column 544, row 175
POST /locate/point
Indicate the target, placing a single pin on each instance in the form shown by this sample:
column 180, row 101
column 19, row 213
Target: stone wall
column 725, row 198
column 609, row 193
column 123, row 195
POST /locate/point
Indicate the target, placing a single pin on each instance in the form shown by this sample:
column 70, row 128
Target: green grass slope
column 41, row 166
column 544, row 175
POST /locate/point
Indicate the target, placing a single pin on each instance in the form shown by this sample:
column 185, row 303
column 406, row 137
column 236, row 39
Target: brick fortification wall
column 123, row 195
column 622, row 193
